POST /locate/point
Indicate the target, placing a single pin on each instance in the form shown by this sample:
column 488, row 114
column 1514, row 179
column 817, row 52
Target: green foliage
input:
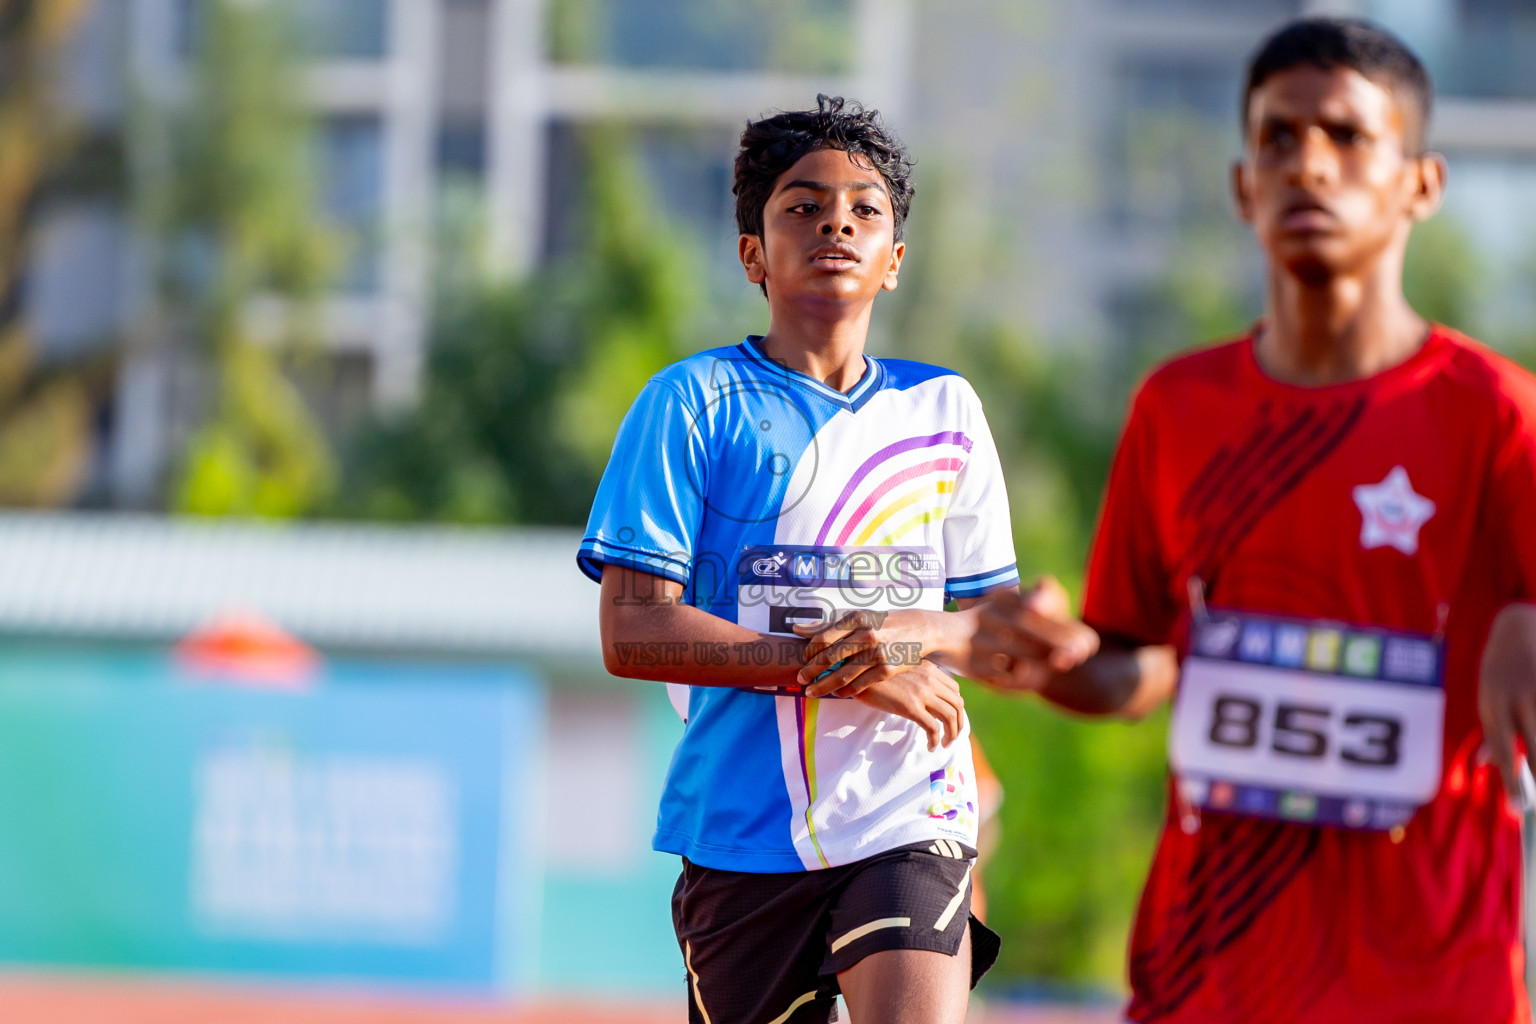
column 45, row 413
column 1442, row 275
column 239, row 214
column 1080, row 816
column 528, row 382
column 1083, row 799
column 798, row 36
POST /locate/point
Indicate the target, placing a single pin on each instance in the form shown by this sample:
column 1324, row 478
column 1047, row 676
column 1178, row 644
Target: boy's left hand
column 860, row 649
column 925, row 694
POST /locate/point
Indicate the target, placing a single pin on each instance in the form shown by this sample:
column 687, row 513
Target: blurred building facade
column 1064, row 151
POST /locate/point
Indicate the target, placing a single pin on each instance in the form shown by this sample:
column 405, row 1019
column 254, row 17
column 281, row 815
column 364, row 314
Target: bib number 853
column 1302, row 731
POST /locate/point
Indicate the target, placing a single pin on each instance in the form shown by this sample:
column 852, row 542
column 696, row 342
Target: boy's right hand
column 925, row 694
column 1025, row 637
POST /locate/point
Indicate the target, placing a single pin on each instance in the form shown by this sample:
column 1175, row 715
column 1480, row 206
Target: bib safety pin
column 1196, row 590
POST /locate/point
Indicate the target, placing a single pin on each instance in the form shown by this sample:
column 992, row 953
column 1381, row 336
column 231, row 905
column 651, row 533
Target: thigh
column 909, row 986
column 753, row 946
column 902, row 934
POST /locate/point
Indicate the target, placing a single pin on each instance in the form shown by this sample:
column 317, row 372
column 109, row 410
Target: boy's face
column 1326, row 179
column 829, row 234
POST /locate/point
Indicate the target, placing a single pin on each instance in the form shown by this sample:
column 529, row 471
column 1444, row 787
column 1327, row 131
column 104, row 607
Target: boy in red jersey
column 1312, row 531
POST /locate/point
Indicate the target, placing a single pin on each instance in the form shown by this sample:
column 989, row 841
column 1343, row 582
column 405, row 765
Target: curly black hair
column 1351, row 43
column 771, row 146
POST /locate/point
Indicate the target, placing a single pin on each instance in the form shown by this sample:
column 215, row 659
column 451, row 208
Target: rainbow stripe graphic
column 907, row 498
column 805, row 718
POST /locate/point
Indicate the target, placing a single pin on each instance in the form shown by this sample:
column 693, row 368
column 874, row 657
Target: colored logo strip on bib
column 1297, row 806
column 1324, row 648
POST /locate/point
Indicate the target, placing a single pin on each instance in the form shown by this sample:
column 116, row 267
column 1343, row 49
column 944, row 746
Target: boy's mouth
column 835, row 255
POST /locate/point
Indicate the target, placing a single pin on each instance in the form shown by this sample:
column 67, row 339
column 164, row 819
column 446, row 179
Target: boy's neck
column 831, row 350
column 1346, row 328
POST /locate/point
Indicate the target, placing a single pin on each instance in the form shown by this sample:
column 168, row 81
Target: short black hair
column 1355, row 44
column 772, row 145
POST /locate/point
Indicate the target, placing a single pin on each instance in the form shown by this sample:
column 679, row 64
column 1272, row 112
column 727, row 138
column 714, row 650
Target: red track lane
column 29, row 998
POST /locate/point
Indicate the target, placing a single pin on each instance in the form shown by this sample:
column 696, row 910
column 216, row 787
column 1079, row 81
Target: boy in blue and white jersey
column 781, row 523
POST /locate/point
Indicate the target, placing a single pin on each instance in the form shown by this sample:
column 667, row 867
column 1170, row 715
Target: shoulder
column 903, row 374
column 931, row 386
column 1214, row 366
column 1486, row 378
column 698, row 378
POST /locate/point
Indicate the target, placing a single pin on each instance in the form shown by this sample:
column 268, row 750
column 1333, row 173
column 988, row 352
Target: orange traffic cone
column 244, row 646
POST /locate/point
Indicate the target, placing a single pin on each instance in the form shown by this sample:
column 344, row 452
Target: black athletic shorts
column 767, row 948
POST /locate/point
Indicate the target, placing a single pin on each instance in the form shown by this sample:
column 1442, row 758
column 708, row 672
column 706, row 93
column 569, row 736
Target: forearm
column 950, row 634
column 649, row 633
column 688, row 645
column 1128, row 682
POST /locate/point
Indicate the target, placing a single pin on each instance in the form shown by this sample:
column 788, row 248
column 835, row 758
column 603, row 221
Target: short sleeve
column 1511, row 497
column 649, row 504
column 978, row 532
column 1127, row 590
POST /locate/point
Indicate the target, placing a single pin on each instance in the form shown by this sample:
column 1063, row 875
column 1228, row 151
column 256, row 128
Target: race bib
column 779, row 587
column 1308, row 721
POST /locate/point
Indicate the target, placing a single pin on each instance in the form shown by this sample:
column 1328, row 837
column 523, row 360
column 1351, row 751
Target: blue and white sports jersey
column 775, row 499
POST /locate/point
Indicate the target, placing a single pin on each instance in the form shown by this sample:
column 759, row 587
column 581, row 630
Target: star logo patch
column 1391, row 513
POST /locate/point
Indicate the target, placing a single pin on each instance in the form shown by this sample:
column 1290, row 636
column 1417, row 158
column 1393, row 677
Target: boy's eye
column 803, row 208
column 1347, row 136
column 1278, row 135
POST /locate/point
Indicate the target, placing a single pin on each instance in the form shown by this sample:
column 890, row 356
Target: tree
column 527, row 381
column 45, row 413
column 240, row 220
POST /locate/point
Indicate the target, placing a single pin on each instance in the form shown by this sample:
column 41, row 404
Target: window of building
column 352, row 177
column 325, row 28
column 345, row 28
column 686, row 171
column 775, row 35
column 1173, row 130
column 1481, row 247
column 1473, row 48
column 1245, row 8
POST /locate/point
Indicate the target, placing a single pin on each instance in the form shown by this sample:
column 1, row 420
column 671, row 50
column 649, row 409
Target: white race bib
column 1308, row 721
column 781, row 586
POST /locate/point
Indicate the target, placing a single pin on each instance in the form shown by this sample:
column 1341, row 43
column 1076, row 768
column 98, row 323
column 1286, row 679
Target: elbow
column 614, row 663
column 617, row 665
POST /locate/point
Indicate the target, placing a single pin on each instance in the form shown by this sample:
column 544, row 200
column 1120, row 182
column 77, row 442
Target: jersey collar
column 854, row 400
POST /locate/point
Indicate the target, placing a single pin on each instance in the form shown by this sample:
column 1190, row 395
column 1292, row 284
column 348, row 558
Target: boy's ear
column 750, row 249
column 897, row 252
column 1242, row 196
column 1429, row 186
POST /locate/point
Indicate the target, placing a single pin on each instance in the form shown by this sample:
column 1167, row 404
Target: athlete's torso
column 1369, row 504
column 803, row 500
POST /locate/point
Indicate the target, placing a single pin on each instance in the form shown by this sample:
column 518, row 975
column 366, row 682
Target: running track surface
column 55, row 999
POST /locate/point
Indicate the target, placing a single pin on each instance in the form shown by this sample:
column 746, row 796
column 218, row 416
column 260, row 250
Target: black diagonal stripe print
column 1281, row 860
column 1220, row 533
column 1262, row 890
column 1331, row 431
column 1241, row 867
column 1217, row 512
column 1238, row 466
column 1209, row 474
column 1264, row 849
column 1267, row 484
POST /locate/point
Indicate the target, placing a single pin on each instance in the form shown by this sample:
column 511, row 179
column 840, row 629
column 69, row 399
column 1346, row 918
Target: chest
column 1346, row 507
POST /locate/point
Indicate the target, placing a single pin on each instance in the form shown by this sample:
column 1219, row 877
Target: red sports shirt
column 1250, row 484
